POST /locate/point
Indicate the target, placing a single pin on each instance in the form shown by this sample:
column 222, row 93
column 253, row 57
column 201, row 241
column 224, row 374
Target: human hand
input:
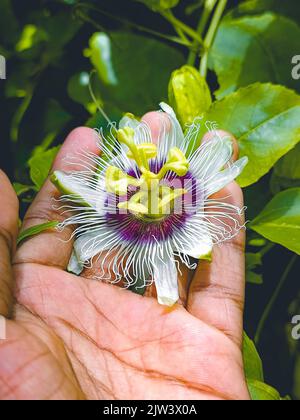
column 74, row 338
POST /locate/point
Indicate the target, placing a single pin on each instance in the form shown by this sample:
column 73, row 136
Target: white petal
column 128, row 121
column 168, row 110
column 166, row 281
column 225, row 177
column 75, row 266
column 202, row 249
column 171, row 135
column 75, row 186
column 194, row 239
column 222, row 221
column 211, row 157
column 91, row 244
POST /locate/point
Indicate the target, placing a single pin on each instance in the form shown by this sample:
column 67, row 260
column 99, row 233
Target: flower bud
column 189, row 94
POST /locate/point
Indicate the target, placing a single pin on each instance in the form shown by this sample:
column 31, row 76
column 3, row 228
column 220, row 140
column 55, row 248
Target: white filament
column 100, row 241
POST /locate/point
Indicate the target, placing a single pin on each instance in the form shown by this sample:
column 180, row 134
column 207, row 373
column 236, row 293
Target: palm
column 99, row 341
column 74, row 338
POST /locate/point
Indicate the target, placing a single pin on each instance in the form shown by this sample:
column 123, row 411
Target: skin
column 71, row 337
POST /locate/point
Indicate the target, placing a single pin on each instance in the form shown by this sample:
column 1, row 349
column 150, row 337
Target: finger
column 221, row 280
column 216, row 294
column 54, row 248
column 9, row 217
column 225, row 135
column 185, row 275
column 156, row 121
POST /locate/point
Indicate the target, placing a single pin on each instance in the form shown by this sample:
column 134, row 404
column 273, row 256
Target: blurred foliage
column 260, row 45
column 73, row 63
column 277, row 110
column 280, row 220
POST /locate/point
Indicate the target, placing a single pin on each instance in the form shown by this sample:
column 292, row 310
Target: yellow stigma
column 152, row 200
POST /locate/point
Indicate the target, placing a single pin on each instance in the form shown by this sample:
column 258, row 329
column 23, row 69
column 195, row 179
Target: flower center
column 152, row 200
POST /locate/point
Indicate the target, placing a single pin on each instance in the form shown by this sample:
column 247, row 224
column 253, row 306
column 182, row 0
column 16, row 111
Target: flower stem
column 86, row 18
column 182, row 35
column 210, row 36
column 181, row 26
column 208, row 8
column 273, row 300
column 96, row 102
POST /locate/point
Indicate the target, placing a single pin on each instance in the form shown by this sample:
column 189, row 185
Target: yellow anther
column 176, row 162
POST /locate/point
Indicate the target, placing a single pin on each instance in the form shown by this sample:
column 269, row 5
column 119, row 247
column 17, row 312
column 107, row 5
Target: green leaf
column 78, row 90
column 189, row 94
column 8, row 24
column 286, row 172
column 53, row 120
column 253, row 261
column 258, row 242
column 254, row 374
column 196, row 5
column 141, row 68
column 21, row 188
column 35, row 230
column 30, row 37
column 19, row 83
column 254, row 278
column 288, row 167
column 263, row 53
column 257, row 197
column 280, row 220
column 253, row 7
column 65, row 185
column 262, row 392
column 265, row 119
column 160, row 4
column 40, row 165
column 252, row 362
column 61, row 29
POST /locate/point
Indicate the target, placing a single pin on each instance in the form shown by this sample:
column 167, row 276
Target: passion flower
column 143, row 205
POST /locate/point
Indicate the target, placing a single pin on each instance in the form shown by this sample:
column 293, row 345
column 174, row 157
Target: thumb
column 8, row 234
